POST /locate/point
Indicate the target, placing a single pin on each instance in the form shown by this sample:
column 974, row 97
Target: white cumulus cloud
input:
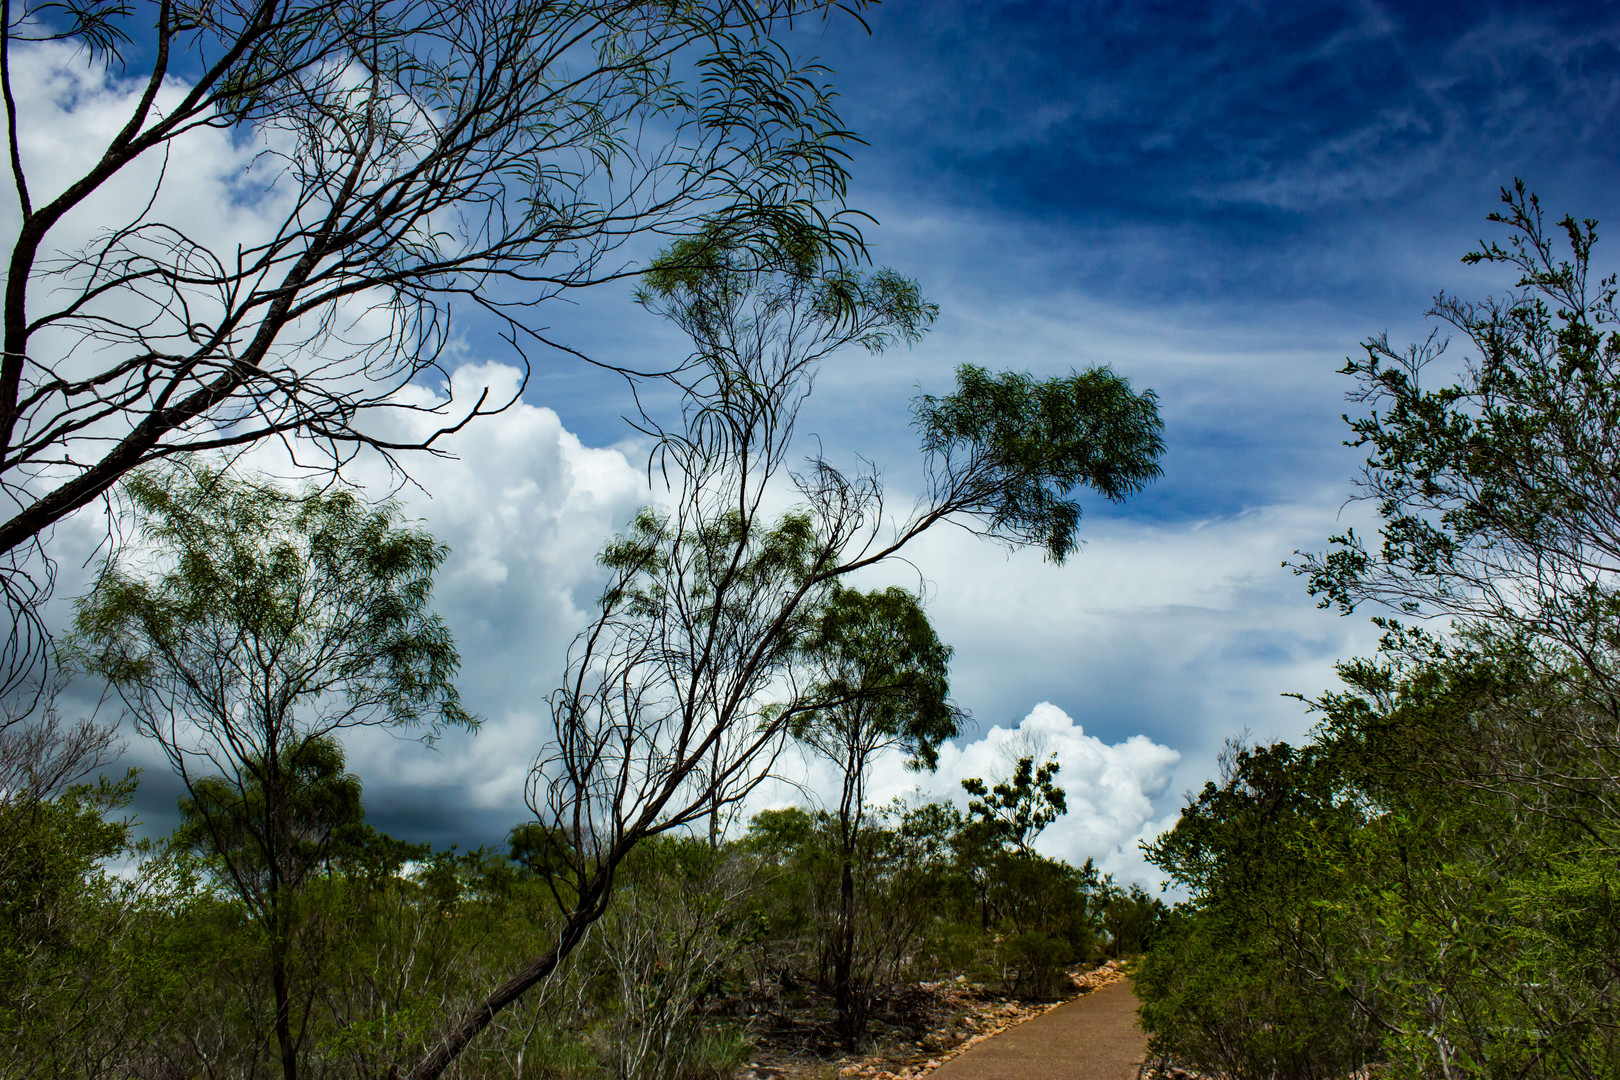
column 1111, row 789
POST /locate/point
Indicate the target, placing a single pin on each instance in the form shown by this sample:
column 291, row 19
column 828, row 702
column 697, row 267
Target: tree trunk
column 590, row 907
column 278, row 829
column 849, row 1018
column 278, row 981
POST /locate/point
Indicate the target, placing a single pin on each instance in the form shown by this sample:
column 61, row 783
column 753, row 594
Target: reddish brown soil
column 914, row 1033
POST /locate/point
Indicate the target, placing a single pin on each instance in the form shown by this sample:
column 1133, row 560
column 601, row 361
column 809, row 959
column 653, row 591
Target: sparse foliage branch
column 1009, row 450
column 412, row 160
column 1017, row 810
column 1499, row 494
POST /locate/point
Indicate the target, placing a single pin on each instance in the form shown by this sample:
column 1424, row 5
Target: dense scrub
column 1428, row 887
column 158, row 970
column 1382, row 896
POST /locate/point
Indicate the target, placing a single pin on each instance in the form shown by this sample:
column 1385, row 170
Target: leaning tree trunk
column 589, row 907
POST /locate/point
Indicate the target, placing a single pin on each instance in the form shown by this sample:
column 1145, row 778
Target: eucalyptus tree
column 247, row 628
column 877, row 662
column 409, row 161
column 1017, row 810
column 993, row 841
column 681, row 692
column 1497, row 490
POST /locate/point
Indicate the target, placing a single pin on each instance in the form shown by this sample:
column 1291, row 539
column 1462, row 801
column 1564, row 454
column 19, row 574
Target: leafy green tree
column 55, row 831
column 1045, row 920
column 319, row 818
column 1018, row 809
column 249, row 627
column 1241, row 980
column 58, row 909
column 321, row 802
column 1130, row 917
column 1481, row 914
column 1011, row 449
column 1387, row 896
column 1488, row 757
column 1044, row 906
column 784, row 846
column 907, row 923
column 881, row 673
column 668, row 948
column 1497, row 493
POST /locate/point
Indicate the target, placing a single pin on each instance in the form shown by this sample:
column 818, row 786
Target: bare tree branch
column 416, row 159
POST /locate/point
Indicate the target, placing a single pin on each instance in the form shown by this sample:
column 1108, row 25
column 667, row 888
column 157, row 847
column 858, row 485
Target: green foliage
column 883, row 682
column 880, row 683
column 1240, row 980
column 1036, row 961
column 1462, row 874
column 242, row 576
column 1398, row 892
column 1495, row 492
column 934, row 900
column 1015, row 811
column 1425, row 889
column 250, row 625
column 58, row 908
column 668, row 948
column 162, row 971
column 318, row 801
column 1216, row 995
column 1019, row 446
column 705, row 280
column 1131, row 918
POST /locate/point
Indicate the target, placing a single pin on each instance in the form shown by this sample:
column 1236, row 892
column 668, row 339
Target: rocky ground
column 914, row 1032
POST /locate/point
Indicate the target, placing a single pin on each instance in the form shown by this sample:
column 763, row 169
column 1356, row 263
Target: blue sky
column 1254, row 177
column 1260, row 176
column 1220, row 201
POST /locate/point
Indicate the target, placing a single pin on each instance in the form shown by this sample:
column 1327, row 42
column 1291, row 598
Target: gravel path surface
column 1091, row 1038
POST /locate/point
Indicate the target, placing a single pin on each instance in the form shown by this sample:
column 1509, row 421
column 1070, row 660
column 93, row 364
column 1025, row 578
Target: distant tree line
column 179, row 965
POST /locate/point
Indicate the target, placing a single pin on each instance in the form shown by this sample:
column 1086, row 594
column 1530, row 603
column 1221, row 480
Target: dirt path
column 1094, row 1037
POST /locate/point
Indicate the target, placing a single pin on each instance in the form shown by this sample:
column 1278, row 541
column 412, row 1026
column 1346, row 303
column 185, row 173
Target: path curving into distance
column 1090, row 1038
